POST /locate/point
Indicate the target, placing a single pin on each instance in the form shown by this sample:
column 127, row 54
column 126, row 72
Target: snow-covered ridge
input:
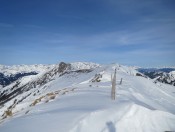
column 76, row 97
column 14, row 69
column 9, row 74
column 43, row 78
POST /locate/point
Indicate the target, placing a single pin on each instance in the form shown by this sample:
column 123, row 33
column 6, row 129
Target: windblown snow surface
column 85, row 106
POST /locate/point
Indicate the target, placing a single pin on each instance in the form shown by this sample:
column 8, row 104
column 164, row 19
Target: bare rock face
column 63, row 66
column 97, row 78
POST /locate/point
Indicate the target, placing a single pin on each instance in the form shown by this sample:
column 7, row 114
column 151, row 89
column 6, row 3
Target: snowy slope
column 72, row 100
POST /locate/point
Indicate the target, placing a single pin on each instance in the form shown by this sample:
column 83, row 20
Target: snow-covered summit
column 75, row 97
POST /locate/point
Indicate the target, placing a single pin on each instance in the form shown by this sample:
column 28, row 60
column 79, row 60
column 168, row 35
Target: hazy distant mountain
column 9, row 74
column 164, row 75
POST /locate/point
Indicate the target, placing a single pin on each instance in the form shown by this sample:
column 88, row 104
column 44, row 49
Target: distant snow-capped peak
column 83, row 65
column 14, row 69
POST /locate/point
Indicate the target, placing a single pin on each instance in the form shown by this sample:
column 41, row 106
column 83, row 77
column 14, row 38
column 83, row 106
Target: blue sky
column 131, row 32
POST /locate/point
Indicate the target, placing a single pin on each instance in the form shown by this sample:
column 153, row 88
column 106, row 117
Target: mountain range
column 76, row 97
column 164, row 75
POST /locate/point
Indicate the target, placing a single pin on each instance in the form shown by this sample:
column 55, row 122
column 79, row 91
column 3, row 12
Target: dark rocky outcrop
column 63, row 66
column 97, row 78
column 141, row 75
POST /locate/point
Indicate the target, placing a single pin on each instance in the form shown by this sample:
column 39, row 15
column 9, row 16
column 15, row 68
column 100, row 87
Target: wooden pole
column 113, row 90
